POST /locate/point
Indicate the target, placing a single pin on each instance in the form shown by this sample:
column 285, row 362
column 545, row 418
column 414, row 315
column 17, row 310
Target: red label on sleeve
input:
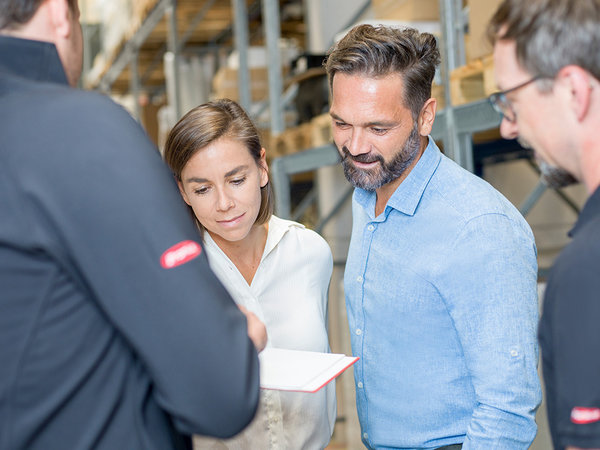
column 180, row 254
column 581, row 415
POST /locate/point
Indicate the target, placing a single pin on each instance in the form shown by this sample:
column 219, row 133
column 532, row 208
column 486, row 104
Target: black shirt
column 570, row 335
column 108, row 339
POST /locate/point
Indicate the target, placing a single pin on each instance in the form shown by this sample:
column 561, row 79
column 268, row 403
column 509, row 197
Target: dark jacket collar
column 590, row 210
column 33, row 60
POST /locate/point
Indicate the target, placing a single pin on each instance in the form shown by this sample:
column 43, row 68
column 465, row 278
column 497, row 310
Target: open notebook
column 302, row 371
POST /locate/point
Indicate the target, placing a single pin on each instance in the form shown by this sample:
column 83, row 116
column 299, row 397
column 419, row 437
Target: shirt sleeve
column 570, row 339
column 114, row 211
column 491, row 295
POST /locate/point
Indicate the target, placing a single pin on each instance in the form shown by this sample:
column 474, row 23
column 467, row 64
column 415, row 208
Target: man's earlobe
column 579, row 82
column 427, row 117
column 60, row 14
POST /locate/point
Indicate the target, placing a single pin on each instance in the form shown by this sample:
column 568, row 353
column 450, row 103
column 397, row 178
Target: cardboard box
column 473, row 81
column 480, row 13
column 225, row 84
column 406, row 10
column 438, row 92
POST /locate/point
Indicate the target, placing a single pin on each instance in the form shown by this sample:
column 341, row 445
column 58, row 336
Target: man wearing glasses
column 547, row 61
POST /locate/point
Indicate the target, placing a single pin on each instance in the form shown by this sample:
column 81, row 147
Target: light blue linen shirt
column 442, row 306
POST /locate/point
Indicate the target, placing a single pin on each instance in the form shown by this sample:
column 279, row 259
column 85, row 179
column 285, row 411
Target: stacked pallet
column 225, row 83
column 406, row 10
column 312, row 134
column 290, row 141
column 473, row 81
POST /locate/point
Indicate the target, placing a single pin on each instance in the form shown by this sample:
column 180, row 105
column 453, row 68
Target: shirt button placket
column 358, row 331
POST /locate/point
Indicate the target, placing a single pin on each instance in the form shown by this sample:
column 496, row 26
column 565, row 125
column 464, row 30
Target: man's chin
column 523, row 143
column 362, row 179
column 552, row 176
column 555, row 177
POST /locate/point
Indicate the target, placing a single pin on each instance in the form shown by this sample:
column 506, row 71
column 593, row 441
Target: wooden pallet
column 321, row 130
column 437, row 92
column 291, row 141
column 315, row 133
column 473, row 81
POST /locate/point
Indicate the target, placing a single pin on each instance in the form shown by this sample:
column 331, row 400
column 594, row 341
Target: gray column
column 272, row 32
column 173, row 48
column 240, row 31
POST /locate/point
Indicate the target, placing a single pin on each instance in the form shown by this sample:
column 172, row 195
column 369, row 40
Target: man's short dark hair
column 550, row 34
column 15, row 13
column 378, row 51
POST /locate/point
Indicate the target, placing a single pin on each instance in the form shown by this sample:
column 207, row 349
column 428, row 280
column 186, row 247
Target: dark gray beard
column 555, row 177
column 371, row 180
column 552, row 176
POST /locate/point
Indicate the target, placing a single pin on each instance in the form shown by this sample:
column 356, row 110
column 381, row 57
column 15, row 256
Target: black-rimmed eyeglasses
column 501, row 103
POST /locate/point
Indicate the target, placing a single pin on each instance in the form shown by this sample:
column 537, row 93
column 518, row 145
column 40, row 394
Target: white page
column 296, row 370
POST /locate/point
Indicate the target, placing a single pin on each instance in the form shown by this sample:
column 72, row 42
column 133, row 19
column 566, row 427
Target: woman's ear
column 182, row 192
column 264, row 168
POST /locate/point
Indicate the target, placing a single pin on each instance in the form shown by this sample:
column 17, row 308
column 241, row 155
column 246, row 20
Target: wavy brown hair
column 378, row 51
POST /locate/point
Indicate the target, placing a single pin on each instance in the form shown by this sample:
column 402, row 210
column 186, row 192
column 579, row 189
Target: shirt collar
column 33, row 60
column 590, row 210
column 277, row 229
column 407, row 196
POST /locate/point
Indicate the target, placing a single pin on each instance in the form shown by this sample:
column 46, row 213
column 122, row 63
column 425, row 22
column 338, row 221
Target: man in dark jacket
column 114, row 332
column 547, row 65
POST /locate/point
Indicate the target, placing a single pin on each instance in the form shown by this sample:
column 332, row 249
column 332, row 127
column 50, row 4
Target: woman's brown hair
column 204, row 125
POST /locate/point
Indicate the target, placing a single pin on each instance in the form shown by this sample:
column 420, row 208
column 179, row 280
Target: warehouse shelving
column 136, row 65
column 454, row 125
column 207, row 25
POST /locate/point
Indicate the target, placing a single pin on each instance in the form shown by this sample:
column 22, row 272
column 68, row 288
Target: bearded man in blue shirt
column 441, row 274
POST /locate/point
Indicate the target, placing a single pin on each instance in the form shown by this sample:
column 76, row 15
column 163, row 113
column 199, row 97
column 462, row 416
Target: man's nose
column 358, row 143
column 509, row 130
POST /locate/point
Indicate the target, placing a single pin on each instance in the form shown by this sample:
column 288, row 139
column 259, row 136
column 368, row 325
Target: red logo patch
column 582, row 416
column 180, row 254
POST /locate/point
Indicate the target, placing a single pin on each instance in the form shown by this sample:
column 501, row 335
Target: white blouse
column 289, row 294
